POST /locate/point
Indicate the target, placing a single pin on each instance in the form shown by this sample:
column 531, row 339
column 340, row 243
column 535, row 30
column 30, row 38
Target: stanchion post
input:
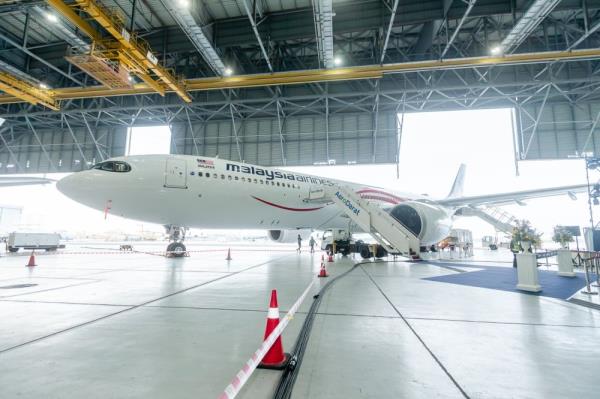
column 596, row 266
column 587, row 290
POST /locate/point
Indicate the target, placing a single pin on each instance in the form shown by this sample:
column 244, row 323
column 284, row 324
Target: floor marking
column 50, row 289
column 438, row 361
column 137, row 306
column 500, row 322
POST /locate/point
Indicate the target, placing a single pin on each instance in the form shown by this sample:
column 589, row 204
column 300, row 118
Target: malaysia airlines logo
column 205, row 163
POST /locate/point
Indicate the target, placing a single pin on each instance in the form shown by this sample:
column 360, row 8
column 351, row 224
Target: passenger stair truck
column 387, row 231
column 500, row 219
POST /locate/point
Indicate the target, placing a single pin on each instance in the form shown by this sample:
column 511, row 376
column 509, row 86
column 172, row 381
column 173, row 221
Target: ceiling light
column 228, row 71
column 337, row 61
column 130, row 78
column 43, row 86
column 184, row 3
column 496, row 50
column 51, row 17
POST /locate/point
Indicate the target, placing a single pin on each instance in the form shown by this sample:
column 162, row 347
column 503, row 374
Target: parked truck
column 46, row 241
column 340, row 241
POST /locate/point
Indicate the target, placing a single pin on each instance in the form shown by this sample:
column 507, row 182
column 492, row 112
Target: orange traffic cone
column 330, row 259
column 31, row 260
column 323, row 272
column 275, row 358
column 228, row 254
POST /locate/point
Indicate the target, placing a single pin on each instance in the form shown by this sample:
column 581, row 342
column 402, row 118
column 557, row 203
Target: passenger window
column 199, row 174
column 277, row 184
column 208, row 175
column 215, row 176
column 255, row 181
column 261, row 181
column 243, row 179
column 222, row 177
column 228, row 177
column 236, row 178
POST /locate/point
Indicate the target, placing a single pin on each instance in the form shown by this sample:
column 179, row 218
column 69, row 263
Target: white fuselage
column 200, row 192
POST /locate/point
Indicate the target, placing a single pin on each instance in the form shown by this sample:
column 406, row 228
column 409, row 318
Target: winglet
column 459, row 181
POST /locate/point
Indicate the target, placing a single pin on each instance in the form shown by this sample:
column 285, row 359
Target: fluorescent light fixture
column 51, row 17
column 184, row 3
column 43, row 86
column 337, row 60
column 228, row 71
column 496, row 50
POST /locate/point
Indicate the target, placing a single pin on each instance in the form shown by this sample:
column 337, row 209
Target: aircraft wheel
column 365, row 252
column 380, row 252
column 176, row 249
column 13, row 249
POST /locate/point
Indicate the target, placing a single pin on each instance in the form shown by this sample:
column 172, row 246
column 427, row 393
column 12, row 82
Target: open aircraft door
column 176, row 173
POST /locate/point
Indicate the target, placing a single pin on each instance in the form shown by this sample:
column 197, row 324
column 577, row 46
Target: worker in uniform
column 312, row 243
column 515, row 248
column 299, row 243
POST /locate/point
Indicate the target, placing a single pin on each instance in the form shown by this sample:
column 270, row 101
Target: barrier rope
column 245, row 372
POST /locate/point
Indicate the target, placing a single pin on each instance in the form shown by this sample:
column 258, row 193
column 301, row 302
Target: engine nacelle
column 430, row 223
column 288, row 236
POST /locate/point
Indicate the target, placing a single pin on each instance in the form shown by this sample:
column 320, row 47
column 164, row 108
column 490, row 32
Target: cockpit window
column 113, row 166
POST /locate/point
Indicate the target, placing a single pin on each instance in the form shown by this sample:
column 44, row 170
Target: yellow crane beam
column 134, row 48
column 329, row 75
column 27, row 92
column 132, row 52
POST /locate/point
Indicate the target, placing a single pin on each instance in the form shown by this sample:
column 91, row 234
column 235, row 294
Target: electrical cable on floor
column 287, row 380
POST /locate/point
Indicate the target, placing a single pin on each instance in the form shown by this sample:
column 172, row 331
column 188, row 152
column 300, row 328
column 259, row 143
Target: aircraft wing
column 9, row 181
column 512, row 197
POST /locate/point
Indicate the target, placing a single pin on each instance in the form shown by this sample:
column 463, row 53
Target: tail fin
column 459, row 181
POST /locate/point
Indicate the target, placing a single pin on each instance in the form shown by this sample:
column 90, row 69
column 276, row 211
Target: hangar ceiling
column 284, row 82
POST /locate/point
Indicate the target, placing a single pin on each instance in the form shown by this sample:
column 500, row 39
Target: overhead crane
column 328, row 75
column 27, row 92
column 125, row 47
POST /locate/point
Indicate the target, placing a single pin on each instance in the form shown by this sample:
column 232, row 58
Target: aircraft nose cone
column 67, row 185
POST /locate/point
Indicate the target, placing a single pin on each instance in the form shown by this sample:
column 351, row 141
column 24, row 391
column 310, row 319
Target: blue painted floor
column 505, row 279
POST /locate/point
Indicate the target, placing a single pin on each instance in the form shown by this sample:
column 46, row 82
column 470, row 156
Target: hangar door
column 176, row 173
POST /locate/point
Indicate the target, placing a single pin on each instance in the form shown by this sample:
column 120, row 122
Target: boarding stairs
column 387, row 231
column 499, row 218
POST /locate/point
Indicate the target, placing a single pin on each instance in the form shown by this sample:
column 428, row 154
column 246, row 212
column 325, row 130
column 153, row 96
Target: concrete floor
column 142, row 326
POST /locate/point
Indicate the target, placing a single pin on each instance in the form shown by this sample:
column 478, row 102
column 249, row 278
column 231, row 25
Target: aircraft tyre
column 380, row 252
column 365, row 252
column 176, row 249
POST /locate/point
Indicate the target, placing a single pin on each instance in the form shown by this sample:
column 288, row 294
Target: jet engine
column 430, row 223
column 288, row 236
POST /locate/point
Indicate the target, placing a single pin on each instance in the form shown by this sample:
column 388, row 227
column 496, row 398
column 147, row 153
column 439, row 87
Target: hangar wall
column 558, row 130
column 61, row 150
column 302, row 140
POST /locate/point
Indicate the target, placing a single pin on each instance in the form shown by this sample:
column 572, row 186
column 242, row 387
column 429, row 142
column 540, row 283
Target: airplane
column 184, row 191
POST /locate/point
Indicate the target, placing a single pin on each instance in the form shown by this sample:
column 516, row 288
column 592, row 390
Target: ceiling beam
column 389, row 30
column 195, row 33
column 323, row 16
column 530, row 20
column 252, row 19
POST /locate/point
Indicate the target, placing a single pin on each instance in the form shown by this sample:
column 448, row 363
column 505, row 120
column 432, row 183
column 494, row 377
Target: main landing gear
column 176, row 249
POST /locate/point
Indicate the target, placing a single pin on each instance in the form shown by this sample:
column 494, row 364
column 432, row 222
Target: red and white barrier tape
column 244, row 374
column 125, row 252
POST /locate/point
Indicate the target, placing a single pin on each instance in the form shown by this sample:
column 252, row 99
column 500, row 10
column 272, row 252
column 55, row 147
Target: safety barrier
column 156, row 253
column 245, row 372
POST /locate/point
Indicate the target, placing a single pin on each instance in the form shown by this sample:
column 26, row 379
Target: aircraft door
column 176, row 173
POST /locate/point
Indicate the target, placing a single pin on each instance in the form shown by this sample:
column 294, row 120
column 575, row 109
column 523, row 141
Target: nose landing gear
column 176, row 249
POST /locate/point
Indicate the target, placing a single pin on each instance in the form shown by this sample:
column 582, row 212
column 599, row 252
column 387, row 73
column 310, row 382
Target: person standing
column 299, row 243
column 312, row 243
